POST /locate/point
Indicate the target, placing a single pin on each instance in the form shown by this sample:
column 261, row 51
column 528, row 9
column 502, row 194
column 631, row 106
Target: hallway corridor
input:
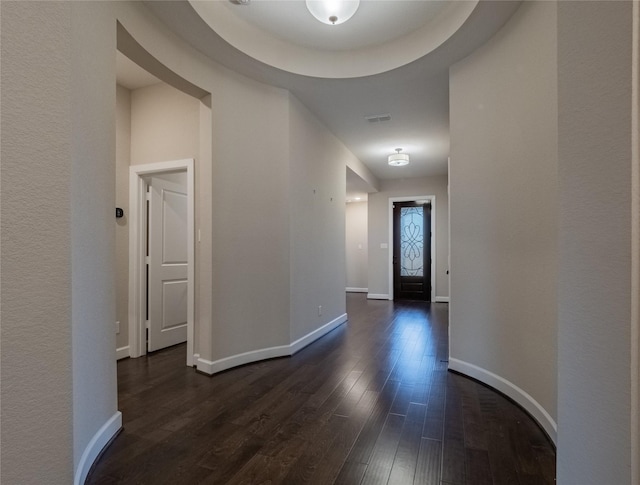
column 370, row 403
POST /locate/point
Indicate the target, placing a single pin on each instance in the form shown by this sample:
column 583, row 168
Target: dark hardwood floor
column 370, row 403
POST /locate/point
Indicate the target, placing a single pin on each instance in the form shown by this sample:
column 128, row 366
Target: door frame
column 432, row 201
column 137, row 252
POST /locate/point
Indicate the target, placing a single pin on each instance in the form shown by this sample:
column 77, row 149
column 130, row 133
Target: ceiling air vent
column 378, row 118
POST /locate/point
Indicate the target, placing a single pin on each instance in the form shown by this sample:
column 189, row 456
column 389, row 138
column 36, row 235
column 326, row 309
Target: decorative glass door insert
column 411, row 251
column 412, row 241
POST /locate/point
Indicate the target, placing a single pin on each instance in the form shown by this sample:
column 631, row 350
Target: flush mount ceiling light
column 332, row 12
column 399, row 159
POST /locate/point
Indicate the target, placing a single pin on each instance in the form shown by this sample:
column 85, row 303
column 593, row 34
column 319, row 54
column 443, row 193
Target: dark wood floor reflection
column 370, row 403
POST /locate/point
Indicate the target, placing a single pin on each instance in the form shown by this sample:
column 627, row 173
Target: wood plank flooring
column 370, row 403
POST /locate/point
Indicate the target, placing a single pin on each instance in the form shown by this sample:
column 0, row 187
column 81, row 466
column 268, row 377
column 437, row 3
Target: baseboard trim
column 351, row 289
column 311, row 337
column 213, row 367
column 95, row 446
column 122, row 352
column 521, row 397
column 377, row 296
column 441, row 299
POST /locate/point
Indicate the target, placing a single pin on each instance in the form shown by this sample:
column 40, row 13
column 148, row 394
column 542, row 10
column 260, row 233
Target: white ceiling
column 291, row 22
column 416, row 94
column 382, row 35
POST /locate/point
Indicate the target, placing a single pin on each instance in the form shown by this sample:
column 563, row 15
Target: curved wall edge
column 96, row 445
column 213, row 367
column 521, row 397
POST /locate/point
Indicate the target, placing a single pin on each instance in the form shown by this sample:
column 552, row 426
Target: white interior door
column 168, row 260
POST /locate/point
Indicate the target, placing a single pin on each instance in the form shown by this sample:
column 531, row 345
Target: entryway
column 161, row 264
column 412, row 248
column 411, row 258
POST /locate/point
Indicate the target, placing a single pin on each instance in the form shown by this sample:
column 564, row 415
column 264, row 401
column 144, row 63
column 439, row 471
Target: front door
column 411, row 251
column 168, row 261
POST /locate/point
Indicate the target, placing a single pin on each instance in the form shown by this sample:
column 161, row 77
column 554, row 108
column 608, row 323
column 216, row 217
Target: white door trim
column 137, row 252
column 432, row 200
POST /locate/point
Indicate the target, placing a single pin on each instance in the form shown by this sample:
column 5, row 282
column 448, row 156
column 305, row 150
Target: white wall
column 595, row 264
column 250, row 217
column 503, row 182
column 92, row 231
column 123, row 160
column 357, row 247
column 164, row 125
column 379, row 229
column 317, row 200
column 36, row 348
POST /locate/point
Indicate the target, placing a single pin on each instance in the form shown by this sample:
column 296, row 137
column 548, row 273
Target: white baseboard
column 205, row 366
column 213, row 367
column 377, row 296
column 441, row 299
column 122, row 352
column 351, row 289
column 95, row 446
column 311, row 337
column 509, row 389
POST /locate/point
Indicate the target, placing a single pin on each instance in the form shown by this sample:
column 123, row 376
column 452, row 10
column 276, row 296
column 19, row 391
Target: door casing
column 432, row 201
column 137, row 252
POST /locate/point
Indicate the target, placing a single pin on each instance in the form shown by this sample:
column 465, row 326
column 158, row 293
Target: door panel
column 174, row 304
column 168, row 262
column 174, row 227
column 411, row 251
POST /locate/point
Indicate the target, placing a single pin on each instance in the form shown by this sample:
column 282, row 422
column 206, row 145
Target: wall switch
column 384, row 246
column 117, row 327
column 319, row 310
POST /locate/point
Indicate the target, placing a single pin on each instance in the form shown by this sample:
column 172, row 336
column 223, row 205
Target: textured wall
column 379, row 229
column 37, row 429
column 595, row 140
column 357, row 244
column 503, row 182
column 92, row 217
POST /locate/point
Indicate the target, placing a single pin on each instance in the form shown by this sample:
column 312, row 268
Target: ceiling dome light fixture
column 332, row 12
column 398, row 159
